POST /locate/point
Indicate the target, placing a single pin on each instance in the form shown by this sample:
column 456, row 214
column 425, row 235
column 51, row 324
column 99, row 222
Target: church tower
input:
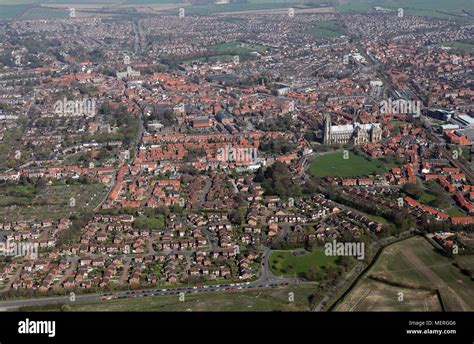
column 327, row 130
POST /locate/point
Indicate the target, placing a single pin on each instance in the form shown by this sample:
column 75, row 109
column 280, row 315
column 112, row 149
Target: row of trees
column 277, row 146
column 277, row 180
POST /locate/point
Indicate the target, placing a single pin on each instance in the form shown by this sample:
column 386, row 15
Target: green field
column 53, row 202
column 8, row 12
column 461, row 46
column 325, row 29
column 466, row 262
column 19, row 2
column 24, row 12
column 105, row 2
column 455, row 212
column 234, row 47
column 435, row 196
column 427, row 197
column 414, row 268
column 45, row 13
column 263, row 300
column 290, row 263
column 378, row 297
column 334, row 165
column 433, row 8
column 250, row 6
column 150, row 1
column 227, row 51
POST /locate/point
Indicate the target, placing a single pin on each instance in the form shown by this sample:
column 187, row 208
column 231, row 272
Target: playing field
column 291, row 263
column 413, row 268
column 338, row 164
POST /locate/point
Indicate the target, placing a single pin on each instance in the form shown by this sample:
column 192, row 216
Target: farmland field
column 434, row 8
column 105, row 2
column 460, row 46
column 334, row 165
column 252, row 5
column 377, row 296
column 289, row 263
column 45, row 13
column 466, row 262
column 18, row 2
column 411, row 267
column 8, row 12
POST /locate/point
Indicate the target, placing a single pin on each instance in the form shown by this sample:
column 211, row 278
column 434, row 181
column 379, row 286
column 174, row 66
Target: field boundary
column 375, row 258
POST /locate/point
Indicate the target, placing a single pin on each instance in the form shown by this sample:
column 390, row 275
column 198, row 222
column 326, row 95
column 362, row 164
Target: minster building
column 355, row 133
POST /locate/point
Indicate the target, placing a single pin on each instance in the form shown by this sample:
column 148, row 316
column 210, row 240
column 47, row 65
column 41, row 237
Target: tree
column 277, row 180
column 413, row 189
column 236, row 217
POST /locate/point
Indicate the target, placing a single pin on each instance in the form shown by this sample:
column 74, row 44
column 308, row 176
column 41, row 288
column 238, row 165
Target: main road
column 264, row 282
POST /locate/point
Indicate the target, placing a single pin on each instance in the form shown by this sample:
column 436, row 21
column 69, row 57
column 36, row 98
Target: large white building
column 355, row 133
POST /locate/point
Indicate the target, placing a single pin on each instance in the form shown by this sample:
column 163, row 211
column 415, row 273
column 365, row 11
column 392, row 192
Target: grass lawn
column 435, row 196
column 142, row 222
column 275, row 299
column 455, row 212
column 289, row 263
column 427, row 197
column 225, row 52
column 334, row 165
column 325, row 29
column 396, row 125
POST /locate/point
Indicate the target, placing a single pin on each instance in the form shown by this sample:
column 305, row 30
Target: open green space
column 335, row 165
column 455, row 212
column 296, row 262
column 325, row 29
column 45, row 13
column 434, row 195
column 466, row 263
column 19, row 2
column 460, row 46
column 235, row 47
column 8, row 12
column 51, row 202
column 376, row 296
column 226, row 52
column 251, row 5
column 155, row 222
column 415, row 268
column 452, row 9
